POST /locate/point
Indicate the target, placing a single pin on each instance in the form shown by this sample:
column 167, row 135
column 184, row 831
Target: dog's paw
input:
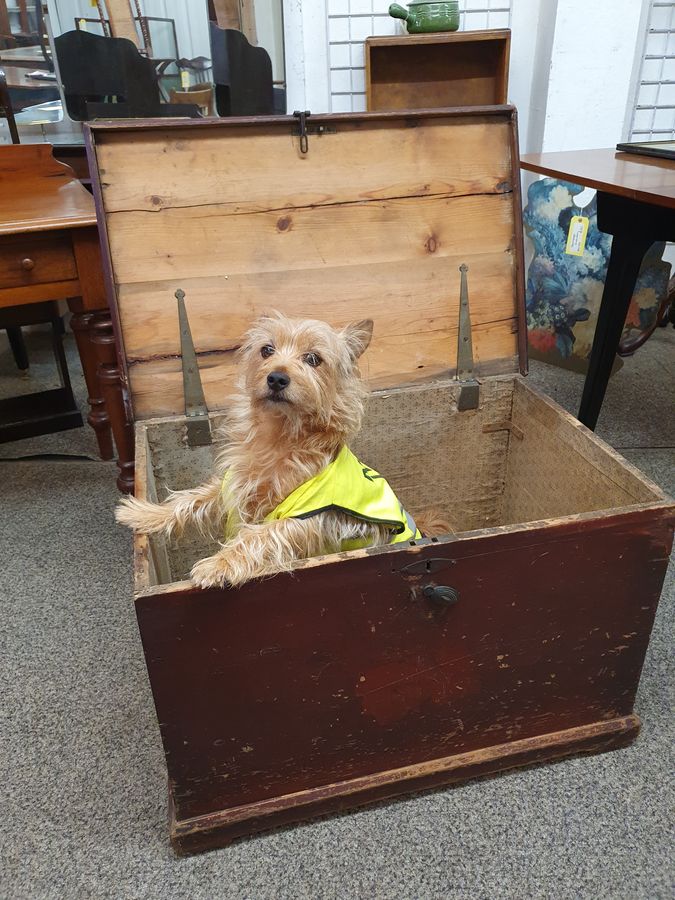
column 211, row 572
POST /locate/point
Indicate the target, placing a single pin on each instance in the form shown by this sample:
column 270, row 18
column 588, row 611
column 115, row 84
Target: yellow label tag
column 83, row 25
column 576, row 238
column 185, row 79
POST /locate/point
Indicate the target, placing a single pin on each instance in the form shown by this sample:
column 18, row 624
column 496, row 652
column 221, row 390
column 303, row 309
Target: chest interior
column 516, row 459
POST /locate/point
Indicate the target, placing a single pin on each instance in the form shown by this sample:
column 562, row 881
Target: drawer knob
column 440, row 593
column 28, row 264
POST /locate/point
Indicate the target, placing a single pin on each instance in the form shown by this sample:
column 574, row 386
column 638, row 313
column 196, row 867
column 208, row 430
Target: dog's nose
column 277, row 381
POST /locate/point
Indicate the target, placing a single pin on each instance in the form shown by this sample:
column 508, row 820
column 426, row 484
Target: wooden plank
column 260, row 167
column 157, row 385
column 205, row 242
column 220, row 828
column 390, row 294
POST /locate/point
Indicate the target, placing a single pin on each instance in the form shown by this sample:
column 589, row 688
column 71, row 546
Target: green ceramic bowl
column 425, row 16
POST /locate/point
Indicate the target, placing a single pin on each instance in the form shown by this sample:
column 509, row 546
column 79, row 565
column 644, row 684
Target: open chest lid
column 363, row 216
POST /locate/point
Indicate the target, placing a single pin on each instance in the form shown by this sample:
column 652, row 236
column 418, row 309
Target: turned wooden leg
column 111, row 387
column 98, row 418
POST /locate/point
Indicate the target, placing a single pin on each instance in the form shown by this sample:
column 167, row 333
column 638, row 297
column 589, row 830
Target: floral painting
column 564, row 292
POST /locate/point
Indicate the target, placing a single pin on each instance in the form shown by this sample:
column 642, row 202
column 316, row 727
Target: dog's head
column 305, row 370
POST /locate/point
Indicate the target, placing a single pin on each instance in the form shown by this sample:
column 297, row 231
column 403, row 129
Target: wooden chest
column 347, row 680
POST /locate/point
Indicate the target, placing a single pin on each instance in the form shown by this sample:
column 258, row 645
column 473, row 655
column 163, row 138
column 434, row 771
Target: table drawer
column 36, row 259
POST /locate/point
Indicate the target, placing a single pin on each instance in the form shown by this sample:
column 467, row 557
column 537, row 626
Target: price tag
column 185, row 80
column 576, row 238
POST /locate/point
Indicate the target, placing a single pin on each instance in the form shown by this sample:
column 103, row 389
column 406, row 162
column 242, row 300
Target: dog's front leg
column 260, row 550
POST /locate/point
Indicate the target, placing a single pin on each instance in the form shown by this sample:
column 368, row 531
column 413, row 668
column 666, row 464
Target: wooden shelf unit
column 426, row 71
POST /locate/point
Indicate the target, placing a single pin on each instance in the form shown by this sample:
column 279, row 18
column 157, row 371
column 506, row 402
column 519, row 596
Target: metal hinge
column 196, row 412
column 469, row 393
column 303, row 129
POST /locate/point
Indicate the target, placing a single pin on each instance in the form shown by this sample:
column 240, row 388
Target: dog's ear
column 358, row 336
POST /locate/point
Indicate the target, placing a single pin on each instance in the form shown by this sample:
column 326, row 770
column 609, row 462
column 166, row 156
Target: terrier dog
column 287, row 486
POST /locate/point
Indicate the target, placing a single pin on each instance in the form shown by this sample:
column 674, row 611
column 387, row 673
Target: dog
column 287, row 486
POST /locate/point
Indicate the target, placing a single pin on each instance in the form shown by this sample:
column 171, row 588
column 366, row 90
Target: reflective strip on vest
column 347, row 486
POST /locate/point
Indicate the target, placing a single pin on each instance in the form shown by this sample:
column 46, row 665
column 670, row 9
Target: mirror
column 66, row 64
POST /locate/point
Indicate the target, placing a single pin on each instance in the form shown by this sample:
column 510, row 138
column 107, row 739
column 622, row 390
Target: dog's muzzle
column 277, row 382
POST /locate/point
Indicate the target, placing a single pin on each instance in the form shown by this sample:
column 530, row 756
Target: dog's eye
column 312, row 359
column 266, row 351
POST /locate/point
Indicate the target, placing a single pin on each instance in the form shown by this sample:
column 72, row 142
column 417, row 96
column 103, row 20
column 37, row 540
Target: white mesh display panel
column 654, row 113
column 350, row 22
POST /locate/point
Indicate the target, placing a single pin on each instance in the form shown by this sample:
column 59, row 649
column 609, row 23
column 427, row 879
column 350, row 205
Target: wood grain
column 261, row 167
column 37, row 193
column 642, row 178
column 157, row 385
column 376, row 216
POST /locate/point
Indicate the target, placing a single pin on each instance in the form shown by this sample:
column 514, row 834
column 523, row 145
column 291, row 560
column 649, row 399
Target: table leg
column 111, row 387
column 81, row 323
column 625, row 260
column 636, row 226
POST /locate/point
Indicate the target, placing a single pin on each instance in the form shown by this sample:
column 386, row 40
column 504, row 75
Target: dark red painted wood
column 220, row 829
column 339, row 672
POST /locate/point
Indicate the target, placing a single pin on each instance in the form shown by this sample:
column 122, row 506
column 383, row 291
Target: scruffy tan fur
column 274, row 445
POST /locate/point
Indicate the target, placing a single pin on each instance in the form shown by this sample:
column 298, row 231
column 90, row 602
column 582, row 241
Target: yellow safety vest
column 347, row 486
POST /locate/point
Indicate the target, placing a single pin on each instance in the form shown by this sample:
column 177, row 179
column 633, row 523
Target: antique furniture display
column 465, row 68
column 354, row 677
column 49, row 250
column 636, row 205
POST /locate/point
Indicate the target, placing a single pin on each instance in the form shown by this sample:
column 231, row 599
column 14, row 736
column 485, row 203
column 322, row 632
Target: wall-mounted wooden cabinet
column 425, row 71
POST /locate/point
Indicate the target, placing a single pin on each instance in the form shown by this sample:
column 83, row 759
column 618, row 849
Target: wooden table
column 49, row 250
column 636, row 204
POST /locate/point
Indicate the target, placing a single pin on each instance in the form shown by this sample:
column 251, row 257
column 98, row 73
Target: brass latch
column 196, row 413
column 469, row 393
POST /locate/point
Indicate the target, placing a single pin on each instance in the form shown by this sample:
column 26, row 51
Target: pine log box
column 346, row 681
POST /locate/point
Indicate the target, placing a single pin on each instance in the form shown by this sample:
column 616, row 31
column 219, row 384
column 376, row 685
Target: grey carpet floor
column 82, row 772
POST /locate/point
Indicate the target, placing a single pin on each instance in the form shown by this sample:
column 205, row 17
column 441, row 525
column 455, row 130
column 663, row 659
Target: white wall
column 269, row 26
column 590, row 83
